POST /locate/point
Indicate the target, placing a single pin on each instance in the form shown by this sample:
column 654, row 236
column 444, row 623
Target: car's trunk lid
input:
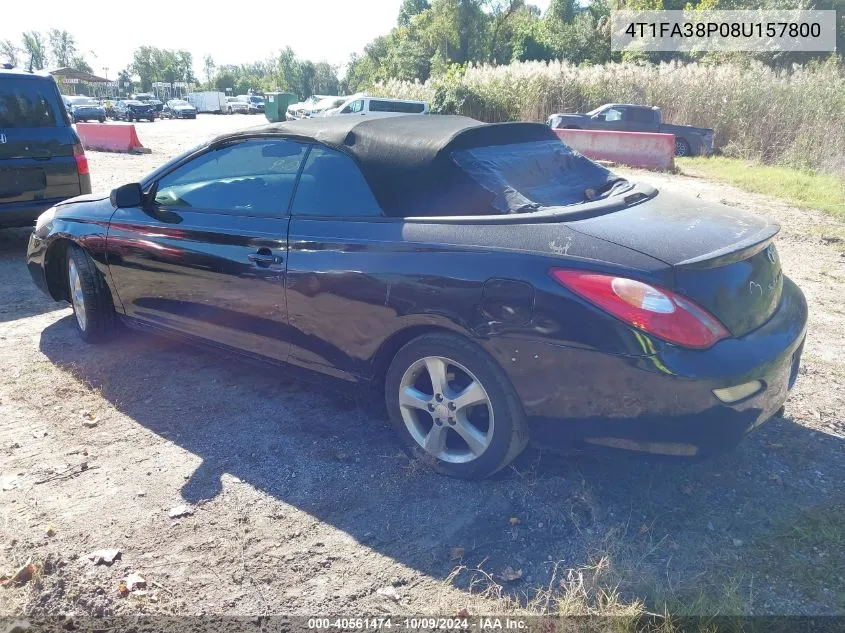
column 723, row 258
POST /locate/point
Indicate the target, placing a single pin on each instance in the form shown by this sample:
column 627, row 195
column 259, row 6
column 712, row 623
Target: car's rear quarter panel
column 352, row 285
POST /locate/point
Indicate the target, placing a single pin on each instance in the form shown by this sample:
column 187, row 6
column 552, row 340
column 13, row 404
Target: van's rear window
column 527, row 176
column 26, row 103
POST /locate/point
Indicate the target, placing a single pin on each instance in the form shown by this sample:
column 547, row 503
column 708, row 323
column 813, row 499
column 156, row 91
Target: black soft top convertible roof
column 407, row 159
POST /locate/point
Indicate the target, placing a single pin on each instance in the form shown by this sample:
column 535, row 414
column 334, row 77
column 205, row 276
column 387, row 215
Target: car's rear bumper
column 24, row 213
column 660, row 402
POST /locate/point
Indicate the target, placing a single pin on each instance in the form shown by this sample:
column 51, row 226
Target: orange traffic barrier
column 110, row 137
column 636, row 149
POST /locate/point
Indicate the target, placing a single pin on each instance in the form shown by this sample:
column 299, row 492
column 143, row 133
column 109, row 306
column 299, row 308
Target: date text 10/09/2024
column 426, row 623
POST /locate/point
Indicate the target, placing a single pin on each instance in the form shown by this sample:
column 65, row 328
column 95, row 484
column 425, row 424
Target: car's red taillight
column 650, row 308
column 81, row 159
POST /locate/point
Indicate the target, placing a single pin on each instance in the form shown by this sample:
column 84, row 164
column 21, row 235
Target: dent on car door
column 340, row 260
column 206, row 255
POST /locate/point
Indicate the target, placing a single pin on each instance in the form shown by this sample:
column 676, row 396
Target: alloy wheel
column 446, row 409
column 76, row 295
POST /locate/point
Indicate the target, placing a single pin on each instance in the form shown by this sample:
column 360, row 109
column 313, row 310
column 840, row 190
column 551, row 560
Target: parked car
column 363, row 105
column 209, row 101
column 180, row 109
column 236, row 106
column 302, row 109
column 131, row 110
column 495, row 284
column 41, row 158
column 325, row 107
column 84, row 109
column 255, row 103
column 689, row 141
column 148, row 97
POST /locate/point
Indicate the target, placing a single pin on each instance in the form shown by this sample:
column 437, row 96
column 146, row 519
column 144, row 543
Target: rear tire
column 682, row 147
column 90, row 297
column 453, row 407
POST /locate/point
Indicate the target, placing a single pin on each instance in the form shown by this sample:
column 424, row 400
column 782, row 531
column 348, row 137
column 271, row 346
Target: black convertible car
column 498, row 286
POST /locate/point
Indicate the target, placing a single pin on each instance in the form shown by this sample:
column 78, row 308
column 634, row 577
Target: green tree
column 125, row 77
column 157, row 64
column 287, row 71
column 9, row 52
column 35, row 49
column 62, row 46
column 325, row 79
column 502, row 13
column 208, row 69
column 77, row 62
column 409, row 9
column 562, row 10
column 307, row 73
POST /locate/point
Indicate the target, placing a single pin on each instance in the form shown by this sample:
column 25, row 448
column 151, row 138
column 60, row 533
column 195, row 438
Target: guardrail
column 635, row 149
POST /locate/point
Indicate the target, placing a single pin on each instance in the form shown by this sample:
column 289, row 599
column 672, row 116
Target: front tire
column 90, row 297
column 453, row 407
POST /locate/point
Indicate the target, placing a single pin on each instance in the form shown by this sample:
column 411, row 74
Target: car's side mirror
column 127, row 196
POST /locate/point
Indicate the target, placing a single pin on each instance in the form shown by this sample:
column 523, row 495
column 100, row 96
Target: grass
column 810, row 549
column 797, row 187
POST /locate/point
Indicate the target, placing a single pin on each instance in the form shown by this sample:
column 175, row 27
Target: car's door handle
column 264, row 258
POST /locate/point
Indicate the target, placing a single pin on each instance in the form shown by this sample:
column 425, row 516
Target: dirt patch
column 299, row 500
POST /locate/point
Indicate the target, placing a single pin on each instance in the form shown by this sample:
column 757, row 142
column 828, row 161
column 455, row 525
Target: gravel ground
column 299, row 501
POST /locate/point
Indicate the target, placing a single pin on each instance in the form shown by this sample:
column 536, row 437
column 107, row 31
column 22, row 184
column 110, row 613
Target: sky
column 237, row 32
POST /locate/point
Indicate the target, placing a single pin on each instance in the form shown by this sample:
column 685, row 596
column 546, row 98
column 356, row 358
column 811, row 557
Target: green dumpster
column 276, row 105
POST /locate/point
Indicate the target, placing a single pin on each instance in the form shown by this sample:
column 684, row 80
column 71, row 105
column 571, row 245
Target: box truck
column 208, row 101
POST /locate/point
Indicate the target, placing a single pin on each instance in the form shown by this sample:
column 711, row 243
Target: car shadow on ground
column 311, row 446
column 13, row 305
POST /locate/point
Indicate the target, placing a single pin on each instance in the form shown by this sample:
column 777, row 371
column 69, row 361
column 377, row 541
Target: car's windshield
column 84, row 101
column 256, row 99
column 528, row 176
column 179, row 102
column 597, row 110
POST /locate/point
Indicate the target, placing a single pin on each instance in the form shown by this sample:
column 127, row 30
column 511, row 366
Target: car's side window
column 613, row 114
column 253, row 177
column 639, row 115
column 354, row 107
column 331, row 185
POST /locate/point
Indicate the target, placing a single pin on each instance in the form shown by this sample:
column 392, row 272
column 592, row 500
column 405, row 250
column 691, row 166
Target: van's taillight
column 81, row 159
column 650, row 308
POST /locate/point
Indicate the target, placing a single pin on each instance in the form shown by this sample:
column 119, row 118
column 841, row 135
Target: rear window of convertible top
column 524, row 177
